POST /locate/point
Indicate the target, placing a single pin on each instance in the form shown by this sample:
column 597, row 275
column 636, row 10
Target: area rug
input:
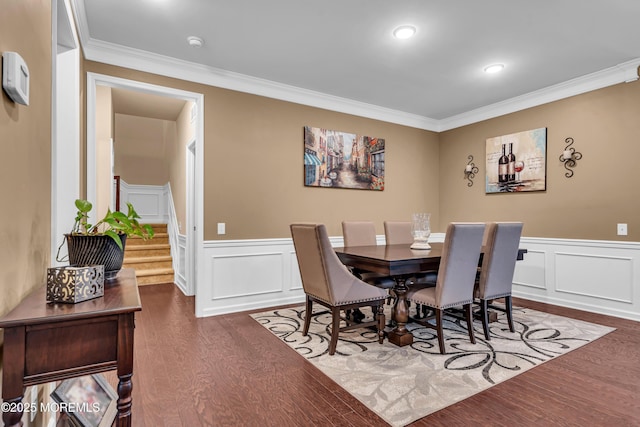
column 403, row 384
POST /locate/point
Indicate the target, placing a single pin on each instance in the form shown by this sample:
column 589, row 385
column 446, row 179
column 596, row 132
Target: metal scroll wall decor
column 569, row 157
column 470, row 170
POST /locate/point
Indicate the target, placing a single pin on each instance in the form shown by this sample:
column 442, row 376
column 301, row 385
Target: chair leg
column 508, row 306
column 307, row 316
column 381, row 320
column 484, row 312
column 439, row 329
column 335, row 329
column 468, row 313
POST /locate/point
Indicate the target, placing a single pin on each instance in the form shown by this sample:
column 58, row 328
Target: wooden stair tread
column 145, row 247
column 156, row 235
column 154, row 272
column 151, row 258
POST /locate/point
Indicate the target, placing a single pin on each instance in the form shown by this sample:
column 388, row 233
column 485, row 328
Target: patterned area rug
column 403, row 384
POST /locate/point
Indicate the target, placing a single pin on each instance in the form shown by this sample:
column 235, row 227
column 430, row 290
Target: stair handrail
column 116, row 179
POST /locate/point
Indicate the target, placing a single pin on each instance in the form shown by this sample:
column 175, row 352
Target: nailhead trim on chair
column 348, row 302
column 444, row 306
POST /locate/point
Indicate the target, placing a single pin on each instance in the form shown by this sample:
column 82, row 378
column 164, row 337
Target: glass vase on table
column 421, row 230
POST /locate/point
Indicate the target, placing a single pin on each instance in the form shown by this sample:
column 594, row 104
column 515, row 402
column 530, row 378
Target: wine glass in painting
column 518, row 167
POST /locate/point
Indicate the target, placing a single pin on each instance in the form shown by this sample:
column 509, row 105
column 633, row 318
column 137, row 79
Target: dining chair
column 455, row 279
column 359, row 233
column 398, row 233
column 363, row 233
column 329, row 283
column 495, row 280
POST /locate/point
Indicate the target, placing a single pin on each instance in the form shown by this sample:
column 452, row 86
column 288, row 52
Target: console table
column 46, row 342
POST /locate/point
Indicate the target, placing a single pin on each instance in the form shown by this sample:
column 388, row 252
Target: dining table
column 400, row 262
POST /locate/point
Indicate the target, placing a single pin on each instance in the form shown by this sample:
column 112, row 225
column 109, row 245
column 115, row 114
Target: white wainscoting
column 179, row 264
column 596, row 276
column 248, row 274
column 150, row 201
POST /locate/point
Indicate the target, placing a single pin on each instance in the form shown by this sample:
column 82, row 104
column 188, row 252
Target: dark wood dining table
column 400, row 262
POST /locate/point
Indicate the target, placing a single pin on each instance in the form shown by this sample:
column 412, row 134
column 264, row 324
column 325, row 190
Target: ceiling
column 343, row 52
column 140, row 104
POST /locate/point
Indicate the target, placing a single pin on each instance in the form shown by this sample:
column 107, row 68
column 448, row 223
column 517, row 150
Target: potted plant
column 103, row 243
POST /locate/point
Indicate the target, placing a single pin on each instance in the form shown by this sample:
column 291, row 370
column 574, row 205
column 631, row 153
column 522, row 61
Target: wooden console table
column 46, row 342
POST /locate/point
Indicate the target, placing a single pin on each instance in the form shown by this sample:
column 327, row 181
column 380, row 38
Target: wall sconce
column 569, row 157
column 470, row 171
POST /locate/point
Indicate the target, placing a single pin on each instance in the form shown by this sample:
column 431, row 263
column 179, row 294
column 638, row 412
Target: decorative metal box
column 75, row 284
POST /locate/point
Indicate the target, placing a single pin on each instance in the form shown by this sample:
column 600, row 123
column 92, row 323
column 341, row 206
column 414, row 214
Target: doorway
column 194, row 234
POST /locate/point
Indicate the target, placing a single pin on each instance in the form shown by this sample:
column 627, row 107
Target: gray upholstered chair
column 455, row 279
column 496, row 273
column 328, row 282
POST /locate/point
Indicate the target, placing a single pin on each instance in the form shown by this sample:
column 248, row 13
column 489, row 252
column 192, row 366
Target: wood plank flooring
column 230, row 371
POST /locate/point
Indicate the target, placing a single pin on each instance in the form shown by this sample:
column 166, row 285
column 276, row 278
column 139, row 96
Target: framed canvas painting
column 517, row 162
column 336, row 159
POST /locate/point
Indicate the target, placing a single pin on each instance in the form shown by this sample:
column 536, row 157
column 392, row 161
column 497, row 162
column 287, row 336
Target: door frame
column 192, row 207
column 194, row 249
column 65, row 125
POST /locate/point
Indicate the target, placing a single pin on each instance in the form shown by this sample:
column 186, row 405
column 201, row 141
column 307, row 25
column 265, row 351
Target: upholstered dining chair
column 455, row 279
column 359, row 233
column 363, row 233
column 329, row 283
column 398, row 232
column 496, row 273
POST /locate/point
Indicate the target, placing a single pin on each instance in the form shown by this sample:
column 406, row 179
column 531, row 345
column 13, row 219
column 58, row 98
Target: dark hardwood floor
column 230, row 371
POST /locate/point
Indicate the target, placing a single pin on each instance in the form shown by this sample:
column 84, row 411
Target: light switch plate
column 221, row 228
column 622, row 229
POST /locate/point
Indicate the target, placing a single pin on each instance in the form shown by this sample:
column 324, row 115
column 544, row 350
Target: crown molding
column 140, row 60
column 625, row 72
column 122, row 56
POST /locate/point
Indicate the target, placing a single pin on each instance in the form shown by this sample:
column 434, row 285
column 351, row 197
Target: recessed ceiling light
column 494, row 68
column 195, row 41
column 404, row 32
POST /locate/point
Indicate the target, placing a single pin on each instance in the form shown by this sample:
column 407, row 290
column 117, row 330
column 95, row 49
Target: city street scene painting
column 342, row 160
column 517, row 162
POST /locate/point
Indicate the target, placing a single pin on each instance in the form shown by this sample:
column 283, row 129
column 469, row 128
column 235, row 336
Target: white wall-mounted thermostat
column 15, row 77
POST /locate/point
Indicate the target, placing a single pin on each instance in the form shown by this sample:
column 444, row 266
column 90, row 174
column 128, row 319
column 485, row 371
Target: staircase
column 150, row 258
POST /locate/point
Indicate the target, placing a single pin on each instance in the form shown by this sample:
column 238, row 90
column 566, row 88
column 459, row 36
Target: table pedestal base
column 400, row 339
column 400, row 335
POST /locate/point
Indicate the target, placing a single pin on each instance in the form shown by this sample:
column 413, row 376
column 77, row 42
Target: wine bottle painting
column 517, row 162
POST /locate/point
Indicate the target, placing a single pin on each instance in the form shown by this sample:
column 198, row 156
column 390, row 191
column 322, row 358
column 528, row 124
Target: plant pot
column 96, row 250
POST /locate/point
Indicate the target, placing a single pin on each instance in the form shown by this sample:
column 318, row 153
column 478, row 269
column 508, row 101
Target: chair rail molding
column 595, row 276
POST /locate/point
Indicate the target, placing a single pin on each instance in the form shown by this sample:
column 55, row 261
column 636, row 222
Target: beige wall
column 254, row 173
column 25, row 141
column 104, row 136
column 177, row 164
column 141, row 148
column 603, row 191
column 254, row 182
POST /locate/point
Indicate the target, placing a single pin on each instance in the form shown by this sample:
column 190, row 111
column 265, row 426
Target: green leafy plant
column 112, row 225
